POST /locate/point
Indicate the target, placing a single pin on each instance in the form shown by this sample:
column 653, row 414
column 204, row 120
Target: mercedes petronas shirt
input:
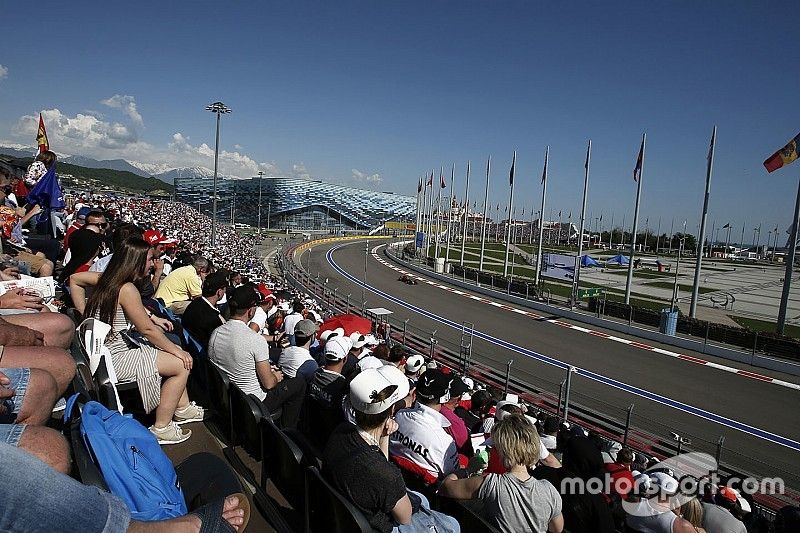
column 421, row 438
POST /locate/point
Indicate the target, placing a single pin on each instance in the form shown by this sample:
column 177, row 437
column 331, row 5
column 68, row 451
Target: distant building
column 296, row 203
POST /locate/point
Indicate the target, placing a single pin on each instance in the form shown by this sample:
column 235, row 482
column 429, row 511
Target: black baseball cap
column 243, row 297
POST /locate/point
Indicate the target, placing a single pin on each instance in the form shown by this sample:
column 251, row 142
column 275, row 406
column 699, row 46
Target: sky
column 376, row 94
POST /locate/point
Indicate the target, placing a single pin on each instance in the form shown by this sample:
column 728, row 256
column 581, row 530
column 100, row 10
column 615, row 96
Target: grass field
column 762, row 325
column 639, row 273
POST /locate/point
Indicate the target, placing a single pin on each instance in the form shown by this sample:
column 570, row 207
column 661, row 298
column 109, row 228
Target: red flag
column 784, row 156
column 41, row 136
column 637, row 170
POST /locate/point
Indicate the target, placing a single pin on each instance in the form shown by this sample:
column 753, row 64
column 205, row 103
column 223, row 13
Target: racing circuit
column 671, row 394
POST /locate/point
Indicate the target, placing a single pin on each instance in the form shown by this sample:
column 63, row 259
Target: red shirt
column 70, row 230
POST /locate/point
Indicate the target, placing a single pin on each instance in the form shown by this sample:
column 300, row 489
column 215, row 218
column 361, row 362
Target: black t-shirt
column 471, row 420
column 200, row 320
column 363, row 475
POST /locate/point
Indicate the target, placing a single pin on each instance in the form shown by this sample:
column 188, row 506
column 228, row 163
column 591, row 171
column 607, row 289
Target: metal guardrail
column 641, row 433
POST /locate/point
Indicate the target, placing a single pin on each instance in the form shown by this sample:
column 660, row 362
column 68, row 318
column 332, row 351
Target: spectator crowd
column 396, row 433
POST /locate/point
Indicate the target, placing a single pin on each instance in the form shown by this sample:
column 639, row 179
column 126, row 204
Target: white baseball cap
column 369, row 383
column 358, row 339
column 414, row 363
column 336, row 349
column 326, row 334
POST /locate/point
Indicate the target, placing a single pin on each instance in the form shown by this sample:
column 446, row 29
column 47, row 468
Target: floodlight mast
column 220, row 109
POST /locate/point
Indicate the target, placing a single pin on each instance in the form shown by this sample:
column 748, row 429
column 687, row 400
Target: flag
column 784, row 156
column 419, row 187
column 47, row 192
column 511, row 172
column 41, row 136
column 442, row 184
column 430, row 180
column 726, row 226
column 637, row 170
column 588, row 152
column 559, row 213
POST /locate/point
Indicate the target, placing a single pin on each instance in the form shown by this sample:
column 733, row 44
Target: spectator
column 514, row 501
column 583, row 512
column 292, row 319
column 721, row 515
column 692, row 512
column 202, row 316
column 183, row 285
column 160, row 367
column 326, row 392
column 84, row 247
column 660, row 513
column 318, row 352
column 421, row 438
column 458, row 429
column 473, row 417
column 265, row 310
column 620, row 471
column 787, row 519
column 413, row 366
column 355, row 459
column 397, row 356
column 78, row 223
column 549, row 432
column 296, row 360
column 120, row 234
column 64, row 504
column 243, row 355
column 366, row 359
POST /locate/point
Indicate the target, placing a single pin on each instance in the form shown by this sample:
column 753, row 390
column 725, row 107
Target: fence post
column 720, row 442
column 527, row 291
column 755, row 345
column 705, row 341
column 630, row 315
column 508, row 286
column 433, row 344
column 560, row 396
column 508, row 375
column 627, row 425
column 405, row 324
column 570, row 370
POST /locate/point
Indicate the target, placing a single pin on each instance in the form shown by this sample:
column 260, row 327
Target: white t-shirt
column 290, row 322
column 294, row 357
column 101, row 264
column 421, row 438
column 236, row 349
column 259, row 319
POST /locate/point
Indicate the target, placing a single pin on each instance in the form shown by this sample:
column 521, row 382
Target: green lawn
column 645, row 274
column 681, row 286
column 762, row 325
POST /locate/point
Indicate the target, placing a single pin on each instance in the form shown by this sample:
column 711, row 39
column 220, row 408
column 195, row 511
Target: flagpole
column 510, row 214
column 419, row 192
column 576, row 283
column 672, row 236
column 541, row 218
column 787, row 277
column 438, row 217
column 635, row 222
column 449, row 214
column 485, row 207
column 611, row 233
column 428, row 216
column 466, row 216
column 423, row 217
column 658, row 236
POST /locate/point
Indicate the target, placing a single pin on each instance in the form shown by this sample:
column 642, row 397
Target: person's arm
column 266, row 377
column 556, row 525
column 77, row 288
column 21, row 299
column 551, row 460
column 158, row 269
column 131, row 302
column 461, row 489
column 34, row 211
column 402, row 511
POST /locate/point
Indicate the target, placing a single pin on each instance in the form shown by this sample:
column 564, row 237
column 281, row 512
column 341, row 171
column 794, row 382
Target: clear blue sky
column 378, row 93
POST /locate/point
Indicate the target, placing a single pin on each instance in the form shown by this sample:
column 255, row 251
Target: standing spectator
column 514, row 501
column 183, row 285
column 243, row 355
column 355, row 459
column 159, row 367
column 202, row 317
column 421, row 438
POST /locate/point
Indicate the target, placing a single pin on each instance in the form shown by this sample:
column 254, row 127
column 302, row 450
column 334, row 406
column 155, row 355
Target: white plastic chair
column 92, row 335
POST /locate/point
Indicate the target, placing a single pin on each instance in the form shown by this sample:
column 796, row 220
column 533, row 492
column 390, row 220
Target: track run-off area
column 697, row 396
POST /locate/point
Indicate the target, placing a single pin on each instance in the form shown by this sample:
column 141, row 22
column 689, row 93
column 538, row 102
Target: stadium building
column 295, row 203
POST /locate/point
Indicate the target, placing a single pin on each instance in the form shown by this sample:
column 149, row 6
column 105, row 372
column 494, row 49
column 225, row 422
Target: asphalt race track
column 765, row 406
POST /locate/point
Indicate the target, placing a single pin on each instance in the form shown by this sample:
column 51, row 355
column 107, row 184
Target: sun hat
column 368, row 384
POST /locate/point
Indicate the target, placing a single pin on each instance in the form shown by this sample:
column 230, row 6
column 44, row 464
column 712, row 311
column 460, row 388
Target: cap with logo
column 414, row 363
column 367, row 386
column 433, row 385
column 358, row 340
column 331, row 334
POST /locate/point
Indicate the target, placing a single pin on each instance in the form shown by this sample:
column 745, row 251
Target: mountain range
column 162, row 172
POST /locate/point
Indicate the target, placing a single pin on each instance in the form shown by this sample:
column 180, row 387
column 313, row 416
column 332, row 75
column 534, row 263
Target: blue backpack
column 132, row 462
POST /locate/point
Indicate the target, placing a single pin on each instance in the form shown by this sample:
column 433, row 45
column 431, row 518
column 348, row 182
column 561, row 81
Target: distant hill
column 106, row 177
column 111, row 164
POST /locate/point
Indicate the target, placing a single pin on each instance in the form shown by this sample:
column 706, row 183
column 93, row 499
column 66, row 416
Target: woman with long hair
column 159, row 366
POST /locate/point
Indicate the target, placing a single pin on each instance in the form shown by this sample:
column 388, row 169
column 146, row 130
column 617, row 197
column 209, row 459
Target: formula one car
column 408, row 280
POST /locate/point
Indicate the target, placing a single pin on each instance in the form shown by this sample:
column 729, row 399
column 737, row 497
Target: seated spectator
column 421, row 437
column 473, row 417
column 326, row 392
column 692, row 512
column 583, row 512
column 549, row 432
column 366, row 359
column 355, row 459
column 265, row 310
column 56, row 328
column 722, row 514
column 659, row 513
column 183, row 285
column 620, row 470
column 202, row 316
column 84, row 247
column 121, row 233
column 506, row 408
column 27, row 396
column 397, row 356
column 78, row 223
column 292, row 319
column 243, row 355
column 160, row 367
column 513, row 501
column 22, row 347
column 318, row 353
column 64, row 504
column 296, row 361
column 458, row 429
column 413, row 366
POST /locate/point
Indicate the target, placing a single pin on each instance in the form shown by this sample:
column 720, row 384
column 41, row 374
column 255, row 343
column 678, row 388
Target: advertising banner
column 558, row 266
